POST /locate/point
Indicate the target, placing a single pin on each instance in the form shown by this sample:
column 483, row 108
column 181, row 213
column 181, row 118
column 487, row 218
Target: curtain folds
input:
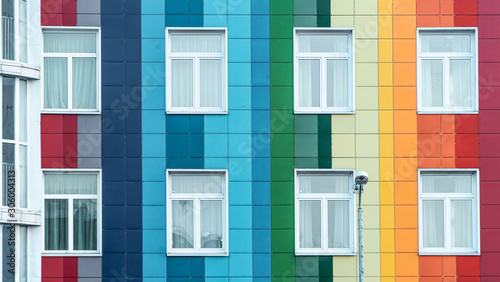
column 84, row 83
column 56, row 224
column 85, row 224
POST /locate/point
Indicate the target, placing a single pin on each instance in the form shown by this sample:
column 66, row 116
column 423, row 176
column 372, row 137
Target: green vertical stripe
column 325, row 141
column 323, row 7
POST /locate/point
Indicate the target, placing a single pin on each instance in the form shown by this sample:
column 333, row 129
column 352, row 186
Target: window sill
column 170, row 112
column 449, row 253
column 312, row 112
column 70, row 254
column 198, row 254
column 420, row 112
column 18, row 69
column 327, row 253
column 71, row 112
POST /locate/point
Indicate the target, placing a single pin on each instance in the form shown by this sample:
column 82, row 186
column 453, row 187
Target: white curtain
column 211, row 224
column 8, row 109
column 211, row 83
column 56, row 224
column 433, row 223
column 309, row 83
column 23, row 31
column 182, row 224
column 310, row 224
column 84, row 83
column 85, row 224
column 461, row 223
column 56, row 83
column 460, row 83
column 336, row 83
column 187, row 43
column 209, row 183
column 8, row 165
column 446, row 43
column 323, row 183
column 432, row 83
column 447, row 183
column 71, row 184
column 182, row 83
column 69, row 43
column 321, row 42
column 338, row 224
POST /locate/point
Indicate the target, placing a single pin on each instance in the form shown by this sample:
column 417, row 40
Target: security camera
column 361, row 178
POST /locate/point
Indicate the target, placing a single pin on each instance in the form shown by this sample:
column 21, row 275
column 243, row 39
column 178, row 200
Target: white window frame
column 70, row 56
column 196, row 109
column 473, row 55
column 323, row 109
column 17, row 35
column 196, row 197
column 70, row 197
column 324, row 197
column 447, row 197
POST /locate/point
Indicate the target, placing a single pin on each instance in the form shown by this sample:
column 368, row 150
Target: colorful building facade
column 134, row 143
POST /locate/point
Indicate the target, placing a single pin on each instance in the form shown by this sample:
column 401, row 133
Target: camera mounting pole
column 361, row 179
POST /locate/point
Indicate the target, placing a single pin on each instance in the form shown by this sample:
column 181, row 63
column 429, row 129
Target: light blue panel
column 219, row 279
column 260, row 50
column 240, row 74
column 216, row 266
column 239, row 26
column 215, row 163
column 215, row 145
column 240, row 50
column 240, row 169
column 154, row 169
column 153, row 74
column 153, row 98
column 153, row 217
column 153, row 26
column 214, row 7
column 240, row 265
column 240, row 279
column 153, row 193
column 152, row 7
column 261, row 217
column 238, row 7
column 215, row 124
column 240, row 217
column 240, row 193
column 154, row 265
column 153, row 50
column 153, row 145
column 153, row 121
column 154, row 242
column 240, row 122
column 240, row 145
column 262, row 265
column 146, row 279
column 215, row 21
column 260, row 27
column 240, row 241
column 261, row 168
column 240, row 98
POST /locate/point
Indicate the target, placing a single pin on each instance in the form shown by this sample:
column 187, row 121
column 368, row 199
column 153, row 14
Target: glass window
column 196, row 71
column 324, row 212
column 447, row 71
column 197, row 212
column 323, row 71
column 14, row 41
column 449, row 212
column 72, row 216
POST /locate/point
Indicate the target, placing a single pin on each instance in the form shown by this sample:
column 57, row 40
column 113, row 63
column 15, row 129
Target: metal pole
column 360, row 237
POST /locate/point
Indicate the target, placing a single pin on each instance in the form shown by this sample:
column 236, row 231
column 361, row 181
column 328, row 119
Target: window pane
column 211, row 224
column 55, row 83
column 310, row 224
column 446, row 42
column 23, row 111
column 338, row 224
column 432, row 83
column 461, row 224
column 337, row 83
column 182, row 224
column 319, row 42
column 8, row 170
column 23, row 31
column 84, row 83
column 7, row 276
column 460, row 80
column 8, row 109
column 23, row 176
column 309, row 83
column 453, row 183
column 69, row 42
column 71, row 184
column 85, row 224
column 208, row 43
column 182, row 83
column 23, row 250
column 210, row 83
column 322, row 183
column 433, row 224
column 8, row 29
column 56, row 224
column 191, row 183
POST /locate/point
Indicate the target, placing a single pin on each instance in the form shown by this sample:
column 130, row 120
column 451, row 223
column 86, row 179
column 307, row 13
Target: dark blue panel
column 261, row 99
column 196, row 7
column 260, row 50
column 260, row 74
column 112, row 7
column 112, row 169
column 178, row 280
column 133, row 26
column 261, row 169
column 260, row 27
column 196, row 279
column 177, row 7
column 262, row 279
column 134, row 265
column 196, row 163
column 113, row 73
column 177, row 20
column 260, row 7
column 113, row 121
column 261, row 145
column 113, row 241
column 196, row 145
column 134, row 217
column 133, row 121
column 113, row 265
column 178, row 163
column 112, row 26
column 261, row 265
column 261, row 193
column 134, row 145
column 261, row 241
column 134, row 193
column 177, row 123
column 133, row 50
column 196, row 20
column 261, row 217
column 112, row 97
column 196, row 124
column 134, row 241
column 133, row 95
column 261, row 124
column 133, row 7
column 133, row 73
column 134, row 169
column 197, row 267
column 113, row 145
column 113, row 217
column 178, row 145
column 178, row 267
column 114, row 49
column 113, row 193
